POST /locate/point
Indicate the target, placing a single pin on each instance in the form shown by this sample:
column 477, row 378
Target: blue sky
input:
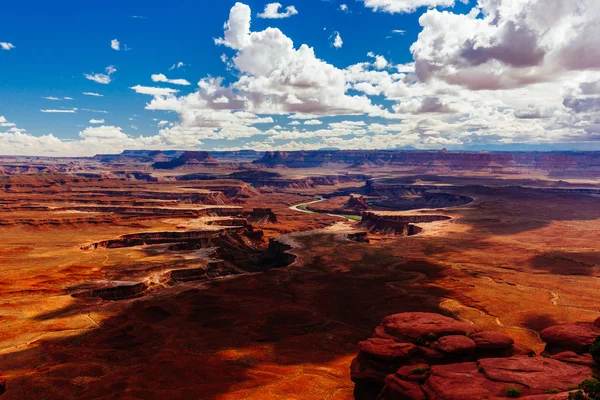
column 456, row 99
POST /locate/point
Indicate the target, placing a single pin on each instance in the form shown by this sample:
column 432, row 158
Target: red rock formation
column 419, row 356
column 577, row 337
column 356, row 203
column 387, row 224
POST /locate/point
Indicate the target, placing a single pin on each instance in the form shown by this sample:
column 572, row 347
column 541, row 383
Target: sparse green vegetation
column 513, row 392
column 352, row 217
column 588, row 389
column 419, row 370
column 552, row 391
column 481, row 369
column 595, row 350
column 304, row 207
column 578, row 395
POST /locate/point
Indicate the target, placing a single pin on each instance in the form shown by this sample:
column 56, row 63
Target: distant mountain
column 188, row 160
column 441, row 160
column 329, row 149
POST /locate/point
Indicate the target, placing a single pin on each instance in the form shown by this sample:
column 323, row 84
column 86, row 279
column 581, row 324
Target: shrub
column 552, row 391
column 589, row 389
column 578, row 395
column 419, row 370
column 513, row 392
column 595, row 350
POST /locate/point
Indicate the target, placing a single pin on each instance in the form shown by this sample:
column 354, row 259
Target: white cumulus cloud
column 102, row 78
column 405, row 6
column 154, row 91
column 163, row 78
column 7, row 46
column 337, row 40
column 272, row 11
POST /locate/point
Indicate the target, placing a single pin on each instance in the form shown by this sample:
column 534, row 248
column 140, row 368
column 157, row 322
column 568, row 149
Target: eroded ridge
column 403, row 225
column 236, row 250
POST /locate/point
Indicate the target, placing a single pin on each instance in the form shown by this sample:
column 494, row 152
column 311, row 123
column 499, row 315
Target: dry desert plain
column 216, row 277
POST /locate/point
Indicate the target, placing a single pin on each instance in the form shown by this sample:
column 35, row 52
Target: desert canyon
column 298, row 275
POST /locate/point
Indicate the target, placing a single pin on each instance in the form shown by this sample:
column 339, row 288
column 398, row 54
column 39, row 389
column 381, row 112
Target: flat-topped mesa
column 187, row 160
column 419, row 356
column 157, row 212
column 192, row 238
column 116, row 292
column 484, row 161
column 402, row 225
column 269, row 179
column 183, row 197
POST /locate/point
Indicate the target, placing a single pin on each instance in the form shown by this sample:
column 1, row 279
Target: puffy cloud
column 583, row 105
column 163, row 78
column 380, row 61
column 92, row 140
column 405, row 6
column 422, row 105
column 96, row 121
column 337, row 40
column 590, row 87
column 504, row 44
column 277, row 78
column 162, row 123
column 115, row 45
column 5, row 124
column 7, row 46
column 312, row 122
column 272, row 11
column 344, row 7
column 102, row 78
column 93, row 94
column 154, row 91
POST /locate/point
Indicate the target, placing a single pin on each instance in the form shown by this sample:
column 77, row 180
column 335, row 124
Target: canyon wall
column 396, row 224
column 493, row 162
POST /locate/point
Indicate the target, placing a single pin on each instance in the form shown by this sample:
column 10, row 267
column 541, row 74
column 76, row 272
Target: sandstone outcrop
column 390, row 224
column 577, row 337
column 425, row 356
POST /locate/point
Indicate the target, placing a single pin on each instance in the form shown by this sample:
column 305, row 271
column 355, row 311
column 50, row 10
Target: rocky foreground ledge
column 424, row 356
